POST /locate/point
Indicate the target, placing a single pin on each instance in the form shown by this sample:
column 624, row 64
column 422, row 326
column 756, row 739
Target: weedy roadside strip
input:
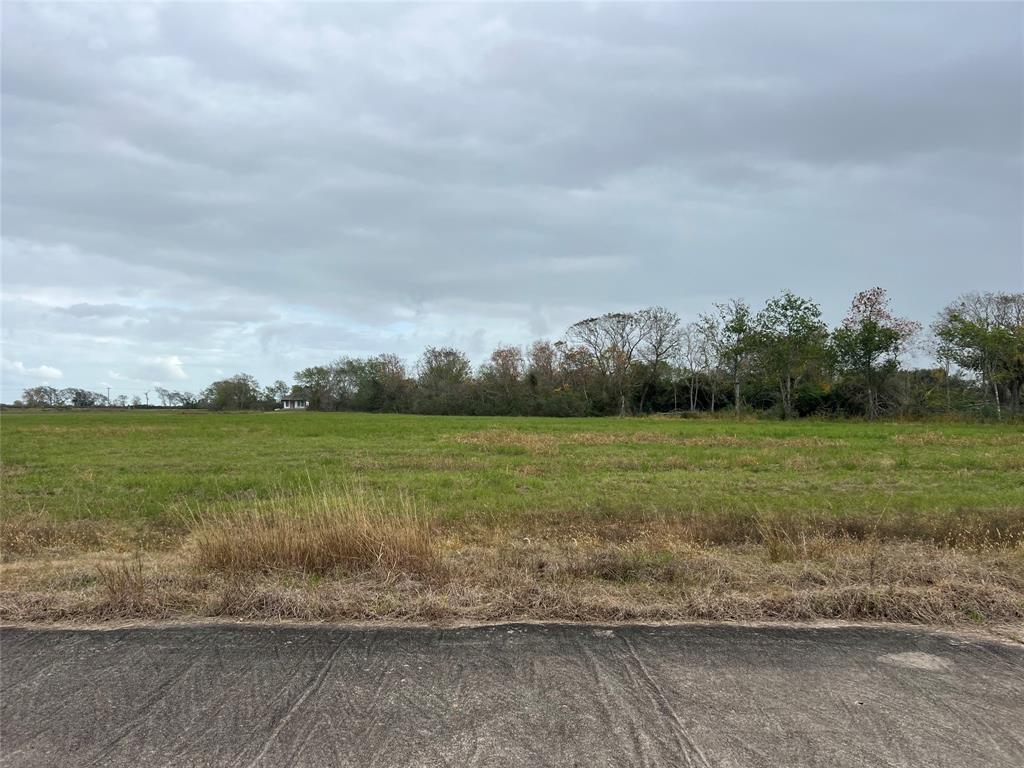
column 335, row 571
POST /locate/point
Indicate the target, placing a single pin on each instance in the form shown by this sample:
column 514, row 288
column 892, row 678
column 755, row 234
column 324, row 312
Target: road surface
column 508, row 695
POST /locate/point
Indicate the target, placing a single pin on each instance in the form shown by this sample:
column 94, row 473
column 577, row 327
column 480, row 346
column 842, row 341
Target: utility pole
column 147, row 397
column 108, row 397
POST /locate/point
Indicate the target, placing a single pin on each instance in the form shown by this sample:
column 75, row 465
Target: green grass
column 341, row 517
column 149, row 466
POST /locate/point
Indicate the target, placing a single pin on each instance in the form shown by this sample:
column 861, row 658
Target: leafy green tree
column 984, row 333
column 240, row 392
column 322, row 386
column 790, row 340
column 443, row 374
column 81, row 398
column 275, row 393
column 736, row 342
column 383, row 384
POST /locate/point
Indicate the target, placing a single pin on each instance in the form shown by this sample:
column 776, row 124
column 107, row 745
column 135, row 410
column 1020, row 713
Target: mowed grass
column 150, row 466
column 368, row 517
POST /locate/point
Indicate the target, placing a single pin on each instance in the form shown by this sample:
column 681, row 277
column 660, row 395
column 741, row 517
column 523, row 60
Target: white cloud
column 45, row 372
column 163, row 368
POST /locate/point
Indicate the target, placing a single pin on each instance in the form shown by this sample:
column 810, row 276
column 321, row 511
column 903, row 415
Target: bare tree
column 692, row 357
column 613, row 341
column 710, row 335
column 542, row 366
column 661, row 343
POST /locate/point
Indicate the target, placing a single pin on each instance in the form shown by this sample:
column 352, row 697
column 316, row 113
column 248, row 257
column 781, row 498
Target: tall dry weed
column 124, row 588
column 322, row 533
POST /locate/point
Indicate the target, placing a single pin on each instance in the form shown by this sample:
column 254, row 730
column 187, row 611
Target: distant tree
column 579, row 373
column 867, row 346
column 43, row 397
column 711, row 341
column 278, row 390
column 275, row 393
column 335, row 386
column 385, row 386
column 628, row 362
column 174, row 399
column 661, row 341
column 237, row 393
column 442, row 374
column 736, row 343
column 542, row 367
column 691, row 360
column 440, row 366
column 613, row 342
column 188, row 400
column 501, row 380
column 319, row 383
column 983, row 333
column 791, row 341
column 81, row 398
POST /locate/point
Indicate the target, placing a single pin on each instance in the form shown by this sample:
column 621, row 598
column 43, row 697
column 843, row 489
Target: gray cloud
column 259, row 187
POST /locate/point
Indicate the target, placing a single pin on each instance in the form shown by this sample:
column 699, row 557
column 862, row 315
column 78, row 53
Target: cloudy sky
column 193, row 190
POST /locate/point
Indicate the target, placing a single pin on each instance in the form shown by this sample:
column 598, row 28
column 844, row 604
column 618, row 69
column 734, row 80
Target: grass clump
column 324, row 533
column 124, row 588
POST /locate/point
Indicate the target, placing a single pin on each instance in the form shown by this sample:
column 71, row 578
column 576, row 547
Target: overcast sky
column 194, row 190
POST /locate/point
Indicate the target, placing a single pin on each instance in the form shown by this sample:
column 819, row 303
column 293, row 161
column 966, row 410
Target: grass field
column 115, row 514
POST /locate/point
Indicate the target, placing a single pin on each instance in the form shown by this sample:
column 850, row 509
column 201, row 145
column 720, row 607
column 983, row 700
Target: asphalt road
column 508, row 695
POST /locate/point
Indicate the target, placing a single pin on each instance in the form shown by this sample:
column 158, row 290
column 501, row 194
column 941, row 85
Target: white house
column 294, row 404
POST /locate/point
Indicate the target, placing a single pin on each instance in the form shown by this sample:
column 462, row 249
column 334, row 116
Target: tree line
column 780, row 359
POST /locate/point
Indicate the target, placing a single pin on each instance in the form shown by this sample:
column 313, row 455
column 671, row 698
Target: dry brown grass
column 549, row 443
column 40, row 535
column 29, row 535
column 124, row 587
column 939, row 438
column 727, row 527
column 358, row 556
column 323, row 533
column 701, row 441
column 532, row 442
column 516, row 575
